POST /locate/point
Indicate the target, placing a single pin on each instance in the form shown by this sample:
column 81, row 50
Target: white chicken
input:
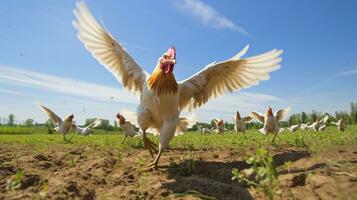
column 217, row 126
column 318, row 123
column 240, row 122
column 127, row 128
column 162, row 98
column 341, row 126
column 270, row 121
column 88, row 129
column 322, row 127
column 62, row 126
column 203, row 130
column 294, row 128
column 305, row 126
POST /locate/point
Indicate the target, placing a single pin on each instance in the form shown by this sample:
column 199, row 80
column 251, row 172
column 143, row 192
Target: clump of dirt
column 92, row 173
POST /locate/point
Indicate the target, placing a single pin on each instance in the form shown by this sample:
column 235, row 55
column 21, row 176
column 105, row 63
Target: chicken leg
column 153, row 165
column 149, row 145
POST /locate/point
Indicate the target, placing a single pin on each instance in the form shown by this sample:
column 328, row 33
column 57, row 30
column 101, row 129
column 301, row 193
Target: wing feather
column 282, row 113
column 227, row 76
column 95, row 124
column 55, row 118
column 107, row 51
column 247, row 119
column 258, row 116
column 325, row 119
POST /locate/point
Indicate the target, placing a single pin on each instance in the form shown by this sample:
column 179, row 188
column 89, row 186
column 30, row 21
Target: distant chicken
column 61, row 126
column 240, row 122
column 127, row 127
column 162, row 98
column 203, row 130
column 270, row 121
column 341, row 126
column 318, row 123
column 88, row 129
column 322, row 127
column 294, row 128
column 305, row 126
column 217, row 126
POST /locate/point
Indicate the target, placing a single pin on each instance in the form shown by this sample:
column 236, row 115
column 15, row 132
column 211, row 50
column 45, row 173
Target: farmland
column 38, row 165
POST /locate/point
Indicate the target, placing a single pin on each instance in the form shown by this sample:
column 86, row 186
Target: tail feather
column 185, row 123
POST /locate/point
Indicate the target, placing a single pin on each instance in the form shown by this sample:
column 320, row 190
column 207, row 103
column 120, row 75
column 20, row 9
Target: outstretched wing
column 258, row 116
column 110, row 53
column 325, row 119
column 227, row 76
column 281, row 114
column 247, row 119
column 55, row 118
column 95, row 124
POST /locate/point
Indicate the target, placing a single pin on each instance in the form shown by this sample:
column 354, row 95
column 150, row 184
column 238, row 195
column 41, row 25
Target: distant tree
column 29, row 122
column 49, row 124
column 313, row 116
column 228, row 126
column 89, row 121
column 303, row 117
column 294, row 119
column 283, row 124
column 343, row 115
column 11, row 120
column 353, row 114
column 115, row 126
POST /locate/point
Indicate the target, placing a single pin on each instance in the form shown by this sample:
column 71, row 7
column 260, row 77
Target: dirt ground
column 96, row 173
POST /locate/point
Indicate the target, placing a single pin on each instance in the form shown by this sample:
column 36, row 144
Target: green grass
column 190, row 140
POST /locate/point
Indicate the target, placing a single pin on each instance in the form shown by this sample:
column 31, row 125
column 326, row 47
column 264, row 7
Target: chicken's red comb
column 172, row 51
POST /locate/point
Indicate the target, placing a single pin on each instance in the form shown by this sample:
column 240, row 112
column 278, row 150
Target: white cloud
column 10, row 92
column 347, row 73
column 208, row 15
column 65, row 85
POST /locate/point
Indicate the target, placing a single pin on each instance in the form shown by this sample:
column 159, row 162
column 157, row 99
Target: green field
column 190, row 140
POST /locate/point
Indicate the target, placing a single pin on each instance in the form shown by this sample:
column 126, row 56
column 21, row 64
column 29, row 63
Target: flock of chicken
column 270, row 123
column 162, row 98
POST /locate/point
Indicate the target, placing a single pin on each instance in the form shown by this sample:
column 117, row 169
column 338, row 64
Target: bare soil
column 97, row 173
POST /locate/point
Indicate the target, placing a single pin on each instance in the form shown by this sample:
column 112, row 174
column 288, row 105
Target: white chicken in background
column 217, row 126
column 203, row 130
column 62, row 126
column 240, row 122
column 341, row 126
column 88, row 129
column 294, row 128
column 318, row 123
column 162, row 98
column 127, row 128
column 271, row 120
column 322, row 127
column 305, row 126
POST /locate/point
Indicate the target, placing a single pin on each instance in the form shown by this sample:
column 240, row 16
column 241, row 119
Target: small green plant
column 120, row 157
column 288, row 165
column 42, row 193
column 72, row 162
column 262, row 174
column 189, row 164
column 15, row 182
column 142, row 180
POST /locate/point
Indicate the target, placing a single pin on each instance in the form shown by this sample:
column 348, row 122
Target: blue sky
column 42, row 59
